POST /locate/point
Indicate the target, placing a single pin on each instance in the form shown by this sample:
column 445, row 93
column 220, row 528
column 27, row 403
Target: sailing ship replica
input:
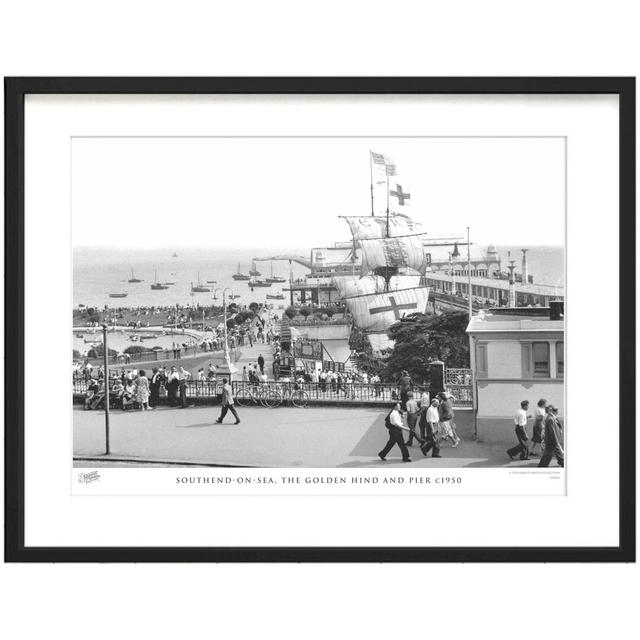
column 158, row 286
column 388, row 264
column 239, row 275
column 199, row 288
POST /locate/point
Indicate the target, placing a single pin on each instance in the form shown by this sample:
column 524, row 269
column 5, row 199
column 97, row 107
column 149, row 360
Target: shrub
column 290, row 312
column 136, row 349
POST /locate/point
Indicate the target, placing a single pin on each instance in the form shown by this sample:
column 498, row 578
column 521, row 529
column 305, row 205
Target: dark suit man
column 261, row 363
column 552, row 439
column 154, row 388
column 395, row 428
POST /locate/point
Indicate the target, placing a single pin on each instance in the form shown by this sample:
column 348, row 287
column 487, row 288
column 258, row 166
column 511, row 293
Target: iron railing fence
column 353, row 392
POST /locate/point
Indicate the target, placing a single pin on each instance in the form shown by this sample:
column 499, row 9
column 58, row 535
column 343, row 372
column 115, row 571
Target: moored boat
column 239, row 275
column 157, row 286
column 258, row 283
column 133, row 278
column 199, row 288
column 118, row 295
column 273, row 278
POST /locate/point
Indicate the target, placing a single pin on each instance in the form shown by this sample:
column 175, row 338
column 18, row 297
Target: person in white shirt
column 395, row 426
column 227, row 402
column 538, row 426
column 413, row 409
column 429, row 419
column 520, row 421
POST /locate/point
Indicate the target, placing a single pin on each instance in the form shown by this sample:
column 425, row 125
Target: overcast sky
column 287, row 192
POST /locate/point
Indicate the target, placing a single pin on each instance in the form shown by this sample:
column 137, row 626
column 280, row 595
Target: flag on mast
column 389, row 165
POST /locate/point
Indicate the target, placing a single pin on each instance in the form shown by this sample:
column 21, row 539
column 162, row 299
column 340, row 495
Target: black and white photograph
column 318, row 302
column 308, row 303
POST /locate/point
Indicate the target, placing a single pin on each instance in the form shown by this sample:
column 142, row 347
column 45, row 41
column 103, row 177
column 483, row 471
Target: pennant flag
column 377, row 158
column 390, row 168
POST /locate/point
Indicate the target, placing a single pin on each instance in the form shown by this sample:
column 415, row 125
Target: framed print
column 320, row 319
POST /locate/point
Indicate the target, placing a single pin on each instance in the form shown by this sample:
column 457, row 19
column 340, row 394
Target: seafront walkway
column 284, row 437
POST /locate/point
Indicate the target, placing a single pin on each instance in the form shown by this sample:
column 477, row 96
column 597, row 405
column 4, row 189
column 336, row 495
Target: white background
column 55, row 518
column 372, row 38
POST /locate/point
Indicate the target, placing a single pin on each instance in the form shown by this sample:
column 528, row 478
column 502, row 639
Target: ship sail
column 393, row 254
column 378, row 311
column 372, row 227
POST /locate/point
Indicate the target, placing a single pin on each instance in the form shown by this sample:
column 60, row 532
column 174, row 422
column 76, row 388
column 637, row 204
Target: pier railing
column 354, row 392
column 317, row 392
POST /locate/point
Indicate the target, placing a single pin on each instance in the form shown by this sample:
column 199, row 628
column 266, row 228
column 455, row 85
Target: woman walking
column 142, row 390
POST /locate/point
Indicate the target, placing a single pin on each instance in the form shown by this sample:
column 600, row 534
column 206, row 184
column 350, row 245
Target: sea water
column 99, row 272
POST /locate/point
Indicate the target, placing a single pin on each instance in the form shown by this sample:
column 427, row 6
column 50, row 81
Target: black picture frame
column 15, row 91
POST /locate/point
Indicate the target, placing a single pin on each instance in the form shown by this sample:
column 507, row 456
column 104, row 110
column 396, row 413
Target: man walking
column 429, row 419
column 552, row 439
column 413, row 409
column 520, row 421
column 393, row 423
column 227, row 402
column 261, row 363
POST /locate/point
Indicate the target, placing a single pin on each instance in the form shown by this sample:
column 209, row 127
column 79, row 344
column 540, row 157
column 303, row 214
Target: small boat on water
column 169, row 283
column 175, row 255
column 157, row 286
column 211, row 281
column 275, row 278
column 133, row 278
column 118, row 295
column 253, row 271
column 278, row 296
column 199, row 288
column 239, row 275
column 147, row 336
column 234, row 296
column 258, row 283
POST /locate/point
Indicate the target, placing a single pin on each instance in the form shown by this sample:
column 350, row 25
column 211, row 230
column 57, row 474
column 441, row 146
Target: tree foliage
column 420, row 339
column 305, row 312
column 290, row 312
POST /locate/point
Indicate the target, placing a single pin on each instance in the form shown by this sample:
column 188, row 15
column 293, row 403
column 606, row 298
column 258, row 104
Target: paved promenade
column 284, row 437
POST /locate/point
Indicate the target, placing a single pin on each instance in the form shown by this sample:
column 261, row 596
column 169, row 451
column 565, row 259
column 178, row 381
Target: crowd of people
column 132, row 389
column 547, row 434
column 428, row 421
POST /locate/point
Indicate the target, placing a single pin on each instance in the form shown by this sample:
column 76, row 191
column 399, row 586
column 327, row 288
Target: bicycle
column 251, row 394
column 292, row 393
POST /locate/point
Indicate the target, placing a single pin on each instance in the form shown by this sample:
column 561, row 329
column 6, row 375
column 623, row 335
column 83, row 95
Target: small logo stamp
column 89, row 477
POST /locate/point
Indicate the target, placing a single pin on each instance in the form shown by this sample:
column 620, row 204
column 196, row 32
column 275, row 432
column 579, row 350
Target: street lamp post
column 227, row 367
column 106, row 390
